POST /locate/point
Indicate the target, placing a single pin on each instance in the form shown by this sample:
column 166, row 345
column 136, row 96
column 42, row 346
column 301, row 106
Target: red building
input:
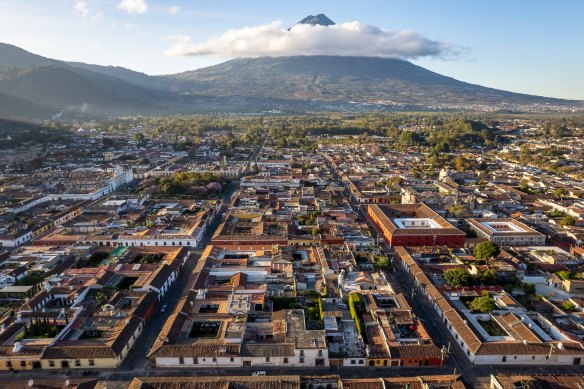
column 414, row 225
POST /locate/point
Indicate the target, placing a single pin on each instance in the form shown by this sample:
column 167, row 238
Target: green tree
column 410, row 138
column 489, row 277
column 139, row 137
column 560, row 192
column 568, row 221
column 107, row 143
column 459, row 210
column 524, row 185
column 483, row 303
column 485, row 250
column 529, row 288
column 383, row 262
column 36, row 163
column 564, row 274
column 568, row 306
column 101, row 298
column 462, row 164
column 457, row 277
column 442, row 147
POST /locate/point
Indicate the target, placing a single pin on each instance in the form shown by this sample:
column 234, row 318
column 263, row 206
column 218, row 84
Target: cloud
column 81, row 7
column 134, row 6
column 174, row 10
column 350, row 39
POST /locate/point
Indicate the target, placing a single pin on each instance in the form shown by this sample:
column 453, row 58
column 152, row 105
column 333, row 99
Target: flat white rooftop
column 415, row 223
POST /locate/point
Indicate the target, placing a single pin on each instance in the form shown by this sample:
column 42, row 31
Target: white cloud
column 90, row 13
column 134, row 6
column 81, row 7
column 350, row 39
column 174, row 10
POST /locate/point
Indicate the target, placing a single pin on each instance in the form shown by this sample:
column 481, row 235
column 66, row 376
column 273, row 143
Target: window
column 301, row 360
column 77, row 362
column 352, row 361
column 181, row 361
column 360, row 362
column 22, row 363
column 267, row 359
column 214, row 359
column 51, row 364
column 91, row 362
column 9, row 363
column 301, row 353
column 285, row 360
column 231, row 359
column 504, row 359
column 196, row 361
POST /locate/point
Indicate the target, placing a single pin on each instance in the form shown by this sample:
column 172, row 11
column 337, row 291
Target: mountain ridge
column 33, row 84
column 321, row 76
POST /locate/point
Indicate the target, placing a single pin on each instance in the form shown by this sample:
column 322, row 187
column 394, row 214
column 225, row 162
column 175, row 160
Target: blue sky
column 528, row 46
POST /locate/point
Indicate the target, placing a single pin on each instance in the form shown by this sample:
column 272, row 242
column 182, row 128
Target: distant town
column 418, row 250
